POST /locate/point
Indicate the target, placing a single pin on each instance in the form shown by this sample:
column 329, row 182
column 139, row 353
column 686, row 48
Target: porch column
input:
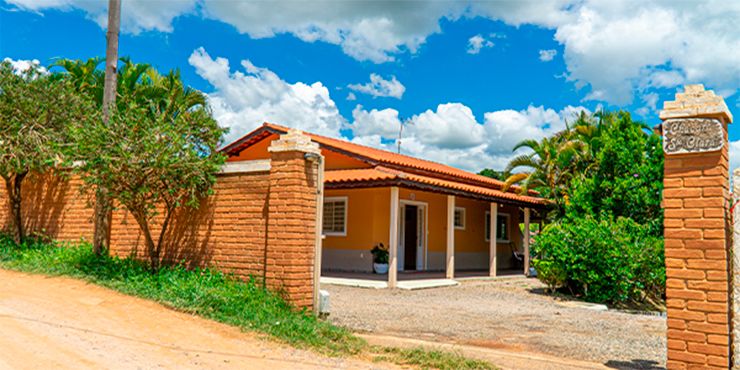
column 526, row 241
column 450, row 269
column 393, row 241
column 492, row 232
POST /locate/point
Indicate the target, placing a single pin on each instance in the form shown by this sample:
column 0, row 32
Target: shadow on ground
column 634, row 364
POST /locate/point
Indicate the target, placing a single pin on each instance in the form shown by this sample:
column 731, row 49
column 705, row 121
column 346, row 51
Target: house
column 432, row 217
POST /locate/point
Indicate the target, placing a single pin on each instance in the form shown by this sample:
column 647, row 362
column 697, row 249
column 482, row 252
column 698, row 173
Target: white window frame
column 346, row 215
column 508, row 226
column 462, row 218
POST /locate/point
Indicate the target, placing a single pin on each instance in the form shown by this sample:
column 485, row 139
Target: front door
column 410, row 236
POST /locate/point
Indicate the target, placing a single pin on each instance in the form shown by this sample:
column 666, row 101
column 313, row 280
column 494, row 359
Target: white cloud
column 366, row 30
column 136, row 15
column 20, row 66
column 617, row 49
column 734, row 157
column 380, row 87
column 548, row 55
column 382, row 123
column 478, row 42
column 451, row 126
column 351, row 96
column 506, row 128
column 451, row 135
column 244, row 100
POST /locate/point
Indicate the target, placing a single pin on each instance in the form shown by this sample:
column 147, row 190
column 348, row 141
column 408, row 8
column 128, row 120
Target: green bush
column 603, row 260
column 550, row 273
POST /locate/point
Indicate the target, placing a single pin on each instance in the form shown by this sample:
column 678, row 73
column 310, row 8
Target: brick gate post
column 697, row 233
column 292, row 211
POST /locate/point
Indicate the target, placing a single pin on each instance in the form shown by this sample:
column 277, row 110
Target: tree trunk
column 102, row 201
column 151, row 249
column 13, row 186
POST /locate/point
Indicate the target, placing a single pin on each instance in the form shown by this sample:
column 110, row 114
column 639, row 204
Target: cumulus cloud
column 243, row 100
column 506, row 128
column 734, row 156
column 615, row 49
column 380, row 87
column 136, row 15
column 366, row 30
column 20, row 66
column 375, row 123
column 450, row 134
column 548, row 55
column 478, row 42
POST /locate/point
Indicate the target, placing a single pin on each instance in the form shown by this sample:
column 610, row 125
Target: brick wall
column 53, row 205
column 226, row 231
column 258, row 223
column 697, row 240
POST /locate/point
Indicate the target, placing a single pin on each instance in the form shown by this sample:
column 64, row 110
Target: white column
column 393, row 242
column 450, row 269
column 526, row 241
column 492, row 239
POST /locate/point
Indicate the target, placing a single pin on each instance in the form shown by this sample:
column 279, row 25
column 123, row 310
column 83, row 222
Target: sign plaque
column 692, row 135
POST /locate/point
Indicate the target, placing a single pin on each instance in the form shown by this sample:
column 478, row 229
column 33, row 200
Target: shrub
column 550, row 273
column 603, row 260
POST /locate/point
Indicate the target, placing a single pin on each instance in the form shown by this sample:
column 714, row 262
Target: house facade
column 430, row 216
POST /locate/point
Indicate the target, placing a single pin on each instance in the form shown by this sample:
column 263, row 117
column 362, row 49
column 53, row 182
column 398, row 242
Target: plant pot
column 380, row 268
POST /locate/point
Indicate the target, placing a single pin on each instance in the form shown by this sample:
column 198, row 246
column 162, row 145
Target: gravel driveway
column 505, row 314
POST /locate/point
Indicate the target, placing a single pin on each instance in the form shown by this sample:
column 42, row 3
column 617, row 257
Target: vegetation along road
column 62, row 323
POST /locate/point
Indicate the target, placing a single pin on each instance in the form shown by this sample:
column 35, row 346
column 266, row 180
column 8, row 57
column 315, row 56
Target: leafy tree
column 35, row 110
column 158, row 152
column 498, row 175
column 549, row 168
column 127, row 81
column 625, row 178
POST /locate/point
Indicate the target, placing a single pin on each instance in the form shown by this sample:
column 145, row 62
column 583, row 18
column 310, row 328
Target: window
column 460, row 218
column 502, row 227
column 335, row 216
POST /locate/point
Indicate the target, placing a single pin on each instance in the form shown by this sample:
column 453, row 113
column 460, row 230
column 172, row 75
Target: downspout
column 316, row 158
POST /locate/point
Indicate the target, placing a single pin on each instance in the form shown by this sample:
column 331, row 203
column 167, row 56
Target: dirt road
column 60, row 323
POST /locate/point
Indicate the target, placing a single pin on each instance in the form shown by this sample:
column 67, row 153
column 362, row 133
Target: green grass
column 203, row 292
column 213, row 295
column 429, row 359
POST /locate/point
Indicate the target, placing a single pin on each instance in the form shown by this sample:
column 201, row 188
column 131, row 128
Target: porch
column 411, row 280
column 433, row 238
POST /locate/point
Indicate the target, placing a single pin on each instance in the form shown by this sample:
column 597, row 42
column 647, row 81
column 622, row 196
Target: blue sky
column 466, row 79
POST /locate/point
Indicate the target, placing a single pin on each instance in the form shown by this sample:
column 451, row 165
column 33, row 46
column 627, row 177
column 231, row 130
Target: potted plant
column 380, row 258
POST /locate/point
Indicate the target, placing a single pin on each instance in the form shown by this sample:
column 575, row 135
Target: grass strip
column 429, row 359
column 214, row 295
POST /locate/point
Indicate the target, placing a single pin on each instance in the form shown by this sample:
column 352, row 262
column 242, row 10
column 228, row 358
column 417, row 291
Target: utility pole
column 400, row 134
column 102, row 201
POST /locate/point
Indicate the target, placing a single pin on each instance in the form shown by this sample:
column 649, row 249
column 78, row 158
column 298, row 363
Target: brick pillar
column 697, row 235
column 291, row 225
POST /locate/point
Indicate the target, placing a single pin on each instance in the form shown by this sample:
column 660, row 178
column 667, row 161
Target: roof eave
column 406, row 183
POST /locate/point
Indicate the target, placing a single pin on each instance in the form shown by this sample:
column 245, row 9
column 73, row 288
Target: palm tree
column 549, row 167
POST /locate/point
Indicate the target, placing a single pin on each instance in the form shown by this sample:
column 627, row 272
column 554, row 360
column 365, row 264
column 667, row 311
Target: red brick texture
column 52, row 205
column 257, row 225
column 697, row 232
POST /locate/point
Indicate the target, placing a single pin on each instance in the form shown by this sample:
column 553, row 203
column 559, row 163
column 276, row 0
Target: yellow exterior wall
column 368, row 223
column 367, row 219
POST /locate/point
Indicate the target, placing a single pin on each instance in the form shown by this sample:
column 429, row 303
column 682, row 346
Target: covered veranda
column 453, row 221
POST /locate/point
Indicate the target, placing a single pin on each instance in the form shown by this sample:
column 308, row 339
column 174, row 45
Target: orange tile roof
column 385, row 174
column 393, row 166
